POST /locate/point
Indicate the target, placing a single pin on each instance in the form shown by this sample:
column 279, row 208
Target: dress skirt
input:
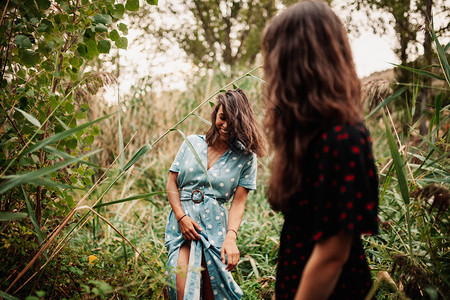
column 211, row 215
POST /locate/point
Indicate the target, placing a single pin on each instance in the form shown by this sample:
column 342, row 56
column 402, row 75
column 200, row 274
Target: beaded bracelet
column 233, row 231
column 181, row 218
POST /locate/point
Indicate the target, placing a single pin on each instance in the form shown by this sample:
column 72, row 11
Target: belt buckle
column 192, row 196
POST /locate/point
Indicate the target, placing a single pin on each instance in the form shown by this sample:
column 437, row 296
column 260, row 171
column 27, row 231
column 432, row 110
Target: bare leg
column 207, row 288
column 183, row 263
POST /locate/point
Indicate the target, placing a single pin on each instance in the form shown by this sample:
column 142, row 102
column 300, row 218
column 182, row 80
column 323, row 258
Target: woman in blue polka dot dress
column 324, row 178
column 200, row 233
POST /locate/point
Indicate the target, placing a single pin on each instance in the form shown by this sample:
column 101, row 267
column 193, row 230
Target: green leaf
column 29, row 117
column 234, row 86
column 114, row 35
column 91, row 48
column 104, row 46
column 257, row 78
column 30, row 58
column 137, row 197
column 152, row 2
column 398, row 162
column 11, row 216
column 7, row 296
column 211, row 103
column 388, row 100
column 122, row 43
column 71, row 144
column 48, row 65
column 82, row 50
column 64, row 155
column 80, row 115
column 53, row 101
column 16, row 180
column 22, row 41
column 102, row 19
column 119, row 11
column 65, row 7
column 442, row 57
column 22, row 73
column 62, row 135
column 45, row 182
column 43, row 4
column 132, row 5
column 123, row 27
column 37, row 229
column 100, row 28
column 88, row 140
column 202, row 119
column 144, row 149
column 447, row 47
column 420, row 72
column 76, row 62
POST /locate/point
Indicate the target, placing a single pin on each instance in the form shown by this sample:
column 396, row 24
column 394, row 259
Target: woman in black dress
column 323, row 176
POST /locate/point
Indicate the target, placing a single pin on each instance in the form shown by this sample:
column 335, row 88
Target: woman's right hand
column 188, row 228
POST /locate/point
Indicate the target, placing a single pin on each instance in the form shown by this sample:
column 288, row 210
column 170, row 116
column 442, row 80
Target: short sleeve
column 248, row 174
column 175, row 167
column 346, row 184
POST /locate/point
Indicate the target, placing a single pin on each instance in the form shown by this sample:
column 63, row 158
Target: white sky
column 373, row 53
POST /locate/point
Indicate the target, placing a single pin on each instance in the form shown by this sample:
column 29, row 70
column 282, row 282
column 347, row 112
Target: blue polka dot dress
column 234, row 168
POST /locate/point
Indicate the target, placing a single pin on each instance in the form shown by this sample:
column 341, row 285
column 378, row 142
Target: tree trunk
column 425, row 98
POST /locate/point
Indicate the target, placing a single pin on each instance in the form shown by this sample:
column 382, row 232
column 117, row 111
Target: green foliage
column 46, row 140
column 413, row 246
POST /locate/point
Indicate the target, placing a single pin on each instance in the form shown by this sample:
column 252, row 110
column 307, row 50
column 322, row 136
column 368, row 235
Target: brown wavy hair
column 311, row 85
column 242, row 125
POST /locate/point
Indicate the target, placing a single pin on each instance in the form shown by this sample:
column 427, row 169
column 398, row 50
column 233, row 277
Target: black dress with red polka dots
column 338, row 196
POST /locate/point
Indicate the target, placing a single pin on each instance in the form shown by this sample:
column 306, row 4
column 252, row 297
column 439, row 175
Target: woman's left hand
column 230, row 249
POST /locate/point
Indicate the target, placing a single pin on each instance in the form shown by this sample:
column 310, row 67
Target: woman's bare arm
column 235, row 215
column 324, row 267
column 187, row 224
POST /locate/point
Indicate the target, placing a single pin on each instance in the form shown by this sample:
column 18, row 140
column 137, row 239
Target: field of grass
column 117, row 250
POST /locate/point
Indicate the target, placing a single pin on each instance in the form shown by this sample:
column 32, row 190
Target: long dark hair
column 311, row 85
column 241, row 122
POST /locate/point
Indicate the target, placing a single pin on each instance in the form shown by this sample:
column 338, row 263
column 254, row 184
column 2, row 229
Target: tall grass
column 409, row 258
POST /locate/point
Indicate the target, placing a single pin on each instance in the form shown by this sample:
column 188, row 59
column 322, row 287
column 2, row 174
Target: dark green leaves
column 29, row 58
column 102, row 19
column 100, row 28
column 152, row 2
column 82, row 50
column 119, row 10
column 62, row 135
column 43, row 4
column 132, row 5
column 104, row 46
column 88, row 50
column 22, row 41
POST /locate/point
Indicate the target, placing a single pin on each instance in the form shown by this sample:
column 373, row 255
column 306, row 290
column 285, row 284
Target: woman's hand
column 231, row 250
column 188, row 228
